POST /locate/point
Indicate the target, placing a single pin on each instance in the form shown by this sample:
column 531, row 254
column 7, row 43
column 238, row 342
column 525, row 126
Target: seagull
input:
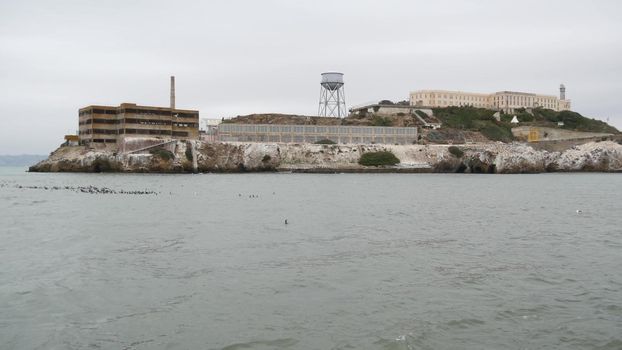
column 579, row 211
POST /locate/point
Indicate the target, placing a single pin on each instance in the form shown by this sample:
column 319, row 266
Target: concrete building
column 506, row 101
column 71, row 140
column 314, row 133
column 384, row 109
column 208, row 129
column 111, row 125
column 424, row 115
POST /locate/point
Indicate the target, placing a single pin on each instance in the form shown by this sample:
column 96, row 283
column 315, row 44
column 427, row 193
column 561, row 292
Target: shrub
column 525, row 117
column 497, row 133
column 455, row 151
column 381, row 121
column 162, row 153
column 325, row 142
column 576, row 121
column 189, row 153
column 378, row 158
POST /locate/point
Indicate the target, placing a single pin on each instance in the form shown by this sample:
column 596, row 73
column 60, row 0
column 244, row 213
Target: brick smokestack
column 172, row 92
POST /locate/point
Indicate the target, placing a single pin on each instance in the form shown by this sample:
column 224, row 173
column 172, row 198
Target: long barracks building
column 108, row 124
column 507, row 101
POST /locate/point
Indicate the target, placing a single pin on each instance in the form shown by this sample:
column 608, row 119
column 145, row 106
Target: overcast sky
column 238, row 57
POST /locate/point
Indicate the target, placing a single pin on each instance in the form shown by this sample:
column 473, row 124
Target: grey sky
column 238, row 57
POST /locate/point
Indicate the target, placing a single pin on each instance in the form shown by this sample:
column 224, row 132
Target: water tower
column 332, row 96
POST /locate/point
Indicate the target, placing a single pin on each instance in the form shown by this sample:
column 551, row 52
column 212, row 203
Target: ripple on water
column 463, row 323
column 285, row 343
column 441, row 264
column 522, row 314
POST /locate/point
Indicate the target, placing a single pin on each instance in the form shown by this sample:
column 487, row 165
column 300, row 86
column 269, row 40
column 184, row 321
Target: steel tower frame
column 332, row 101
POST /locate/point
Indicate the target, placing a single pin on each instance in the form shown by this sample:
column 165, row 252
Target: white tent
column 514, row 120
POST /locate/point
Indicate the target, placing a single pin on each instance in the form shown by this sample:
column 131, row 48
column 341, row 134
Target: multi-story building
column 107, row 124
column 507, row 101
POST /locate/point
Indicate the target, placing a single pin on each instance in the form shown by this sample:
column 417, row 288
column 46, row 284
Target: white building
column 208, row 123
column 507, row 101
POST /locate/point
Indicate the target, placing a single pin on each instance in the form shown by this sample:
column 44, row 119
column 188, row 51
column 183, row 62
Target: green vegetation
column 482, row 120
column 455, row 151
column 475, row 119
column 381, row 121
column 571, row 120
column 162, row 154
column 325, row 142
column 189, row 153
column 575, row 121
column 522, row 115
column 378, row 158
column 497, row 132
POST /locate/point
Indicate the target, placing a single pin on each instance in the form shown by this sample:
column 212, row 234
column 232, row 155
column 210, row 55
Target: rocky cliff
column 603, row 156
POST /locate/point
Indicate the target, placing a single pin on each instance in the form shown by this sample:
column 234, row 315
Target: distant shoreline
column 21, row 160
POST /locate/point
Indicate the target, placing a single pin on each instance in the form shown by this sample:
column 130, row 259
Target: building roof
column 134, row 105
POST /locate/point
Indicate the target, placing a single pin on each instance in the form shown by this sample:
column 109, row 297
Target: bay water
column 365, row 261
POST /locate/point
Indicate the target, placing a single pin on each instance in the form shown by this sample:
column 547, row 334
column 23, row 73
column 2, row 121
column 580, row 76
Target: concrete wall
column 536, row 134
column 313, row 133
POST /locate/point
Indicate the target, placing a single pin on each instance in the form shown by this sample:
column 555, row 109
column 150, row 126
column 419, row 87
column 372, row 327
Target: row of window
column 311, row 139
column 306, row 129
column 496, row 103
column 524, row 99
column 447, row 98
column 133, row 131
column 138, row 111
column 98, row 131
column 104, row 140
column 141, row 132
column 453, row 97
column 144, row 132
column 138, row 121
column 99, row 121
column 451, row 103
column 98, row 111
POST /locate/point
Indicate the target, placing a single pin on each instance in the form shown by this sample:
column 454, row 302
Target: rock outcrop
column 504, row 158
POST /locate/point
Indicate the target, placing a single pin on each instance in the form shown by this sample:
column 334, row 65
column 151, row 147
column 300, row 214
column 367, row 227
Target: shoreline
column 222, row 157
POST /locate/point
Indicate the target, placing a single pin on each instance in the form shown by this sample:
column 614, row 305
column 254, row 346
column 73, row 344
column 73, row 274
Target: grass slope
column 482, row 120
column 475, row 119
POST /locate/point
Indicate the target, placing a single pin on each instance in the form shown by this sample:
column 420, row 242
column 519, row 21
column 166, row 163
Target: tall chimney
column 172, row 92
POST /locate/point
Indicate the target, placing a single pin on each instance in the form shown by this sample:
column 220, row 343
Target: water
column 375, row 261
